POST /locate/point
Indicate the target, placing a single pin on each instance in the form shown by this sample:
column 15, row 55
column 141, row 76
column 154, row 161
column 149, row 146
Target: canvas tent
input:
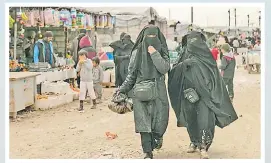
column 132, row 19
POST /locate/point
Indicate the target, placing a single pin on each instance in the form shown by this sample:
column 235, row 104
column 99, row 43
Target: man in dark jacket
column 43, row 50
column 227, row 67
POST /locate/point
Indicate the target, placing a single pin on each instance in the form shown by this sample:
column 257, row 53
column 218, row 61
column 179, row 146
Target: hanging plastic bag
column 49, row 17
column 84, row 22
column 73, row 13
column 19, row 14
column 42, row 23
column 24, row 17
column 105, row 21
column 11, row 22
column 109, row 20
column 102, row 21
column 30, row 21
column 36, row 15
column 79, row 20
column 92, row 21
column 56, row 18
column 88, row 23
column 97, row 21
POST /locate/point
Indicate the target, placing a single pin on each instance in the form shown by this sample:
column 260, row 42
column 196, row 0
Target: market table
column 56, row 75
column 22, row 91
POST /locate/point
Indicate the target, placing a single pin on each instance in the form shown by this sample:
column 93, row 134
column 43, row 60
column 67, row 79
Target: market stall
column 22, row 91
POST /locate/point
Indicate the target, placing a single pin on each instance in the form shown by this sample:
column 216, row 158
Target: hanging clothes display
column 73, row 18
column 105, row 21
column 11, row 22
column 88, row 23
column 101, row 21
column 80, row 20
column 97, row 21
column 30, row 21
column 56, row 18
column 41, row 19
column 49, row 17
column 109, row 21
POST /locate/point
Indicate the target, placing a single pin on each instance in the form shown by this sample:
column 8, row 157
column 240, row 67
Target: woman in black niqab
column 197, row 69
column 149, row 61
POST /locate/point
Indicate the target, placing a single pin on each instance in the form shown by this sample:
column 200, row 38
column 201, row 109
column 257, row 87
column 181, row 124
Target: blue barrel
column 110, row 55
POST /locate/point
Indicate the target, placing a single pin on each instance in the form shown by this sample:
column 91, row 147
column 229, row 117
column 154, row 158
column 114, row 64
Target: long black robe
column 120, row 54
column 152, row 116
column 197, row 69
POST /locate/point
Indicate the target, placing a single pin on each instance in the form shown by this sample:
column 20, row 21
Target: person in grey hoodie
column 97, row 78
column 227, row 67
column 84, row 67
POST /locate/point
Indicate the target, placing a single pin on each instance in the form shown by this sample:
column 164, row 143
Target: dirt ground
column 63, row 133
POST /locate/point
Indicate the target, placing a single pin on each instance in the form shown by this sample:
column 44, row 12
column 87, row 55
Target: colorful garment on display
column 49, row 17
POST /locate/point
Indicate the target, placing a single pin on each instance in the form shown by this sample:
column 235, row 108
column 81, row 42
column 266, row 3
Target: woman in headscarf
column 198, row 94
column 122, row 58
column 148, row 64
column 118, row 47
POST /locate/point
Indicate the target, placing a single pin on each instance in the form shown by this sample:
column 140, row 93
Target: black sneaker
column 149, row 155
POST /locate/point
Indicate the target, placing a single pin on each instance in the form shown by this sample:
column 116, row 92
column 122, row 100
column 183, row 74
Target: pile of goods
column 14, row 66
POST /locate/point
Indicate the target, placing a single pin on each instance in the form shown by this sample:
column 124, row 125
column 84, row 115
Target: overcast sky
column 212, row 16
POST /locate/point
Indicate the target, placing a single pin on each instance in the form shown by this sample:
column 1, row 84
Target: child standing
column 84, row 67
column 227, row 67
column 97, row 78
column 70, row 64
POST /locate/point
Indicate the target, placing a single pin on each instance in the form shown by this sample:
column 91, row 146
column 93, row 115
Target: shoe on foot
column 99, row 101
column 149, row 155
column 81, row 110
column 94, row 104
column 192, row 148
column 81, row 107
column 204, row 154
column 159, row 143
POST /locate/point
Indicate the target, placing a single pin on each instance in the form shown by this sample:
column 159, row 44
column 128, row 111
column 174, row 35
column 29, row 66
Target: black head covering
column 126, row 39
column 122, row 34
column 143, row 59
column 118, row 44
column 197, row 47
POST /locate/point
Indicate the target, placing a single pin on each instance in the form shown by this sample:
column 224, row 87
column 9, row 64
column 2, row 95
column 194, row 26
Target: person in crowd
column 215, row 52
column 86, row 45
column 227, row 67
column 84, row 67
column 29, row 43
column 97, row 78
column 257, row 46
column 235, row 45
column 118, row 47
column 70, row 63
column 147, row 68
column 75, row 45
column 198, row 94
column 227, row 42
column 43, row 50
column 75, row 49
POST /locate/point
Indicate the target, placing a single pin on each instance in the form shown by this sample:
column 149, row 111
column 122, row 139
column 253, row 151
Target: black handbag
column 191, row 95
column 146, row 90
